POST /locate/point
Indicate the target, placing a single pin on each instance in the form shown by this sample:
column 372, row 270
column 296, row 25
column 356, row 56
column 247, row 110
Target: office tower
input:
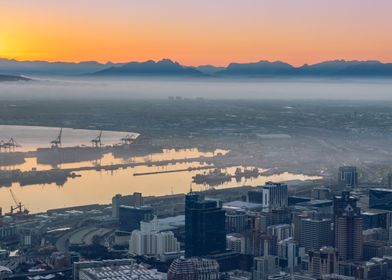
column 289, row 254
column 277, row 217
column 348, row 234
column 255, row 196
column 259, row 244
column 193, row 269
column 348, row 177
column 374, row 219
column 236, row 221
column 380, row 199
column 323, row 261
column 281, row 232
column 150, row 240
column 321, row 193
column 204, row 226
column 130, row 217
column 315, row 233
column 275, row 196
column 265, row 266
column 340, row 202
column 135, row 199
column 297, row 218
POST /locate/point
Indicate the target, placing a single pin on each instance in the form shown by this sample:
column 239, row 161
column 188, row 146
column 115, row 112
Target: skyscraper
column 130, row 217
column 348, row 233
column 323, row 261
column 275, row 196
column 315, row 233
column 340, row 202
column 204, row 226
column 348, row 177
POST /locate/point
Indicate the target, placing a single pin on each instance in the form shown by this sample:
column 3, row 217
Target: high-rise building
column 257, row 244
column 323, row 261
column 234, row 242
column 348, row 234
column 265, row 266
column 315, row 233
column 236, row 221
column 348, row 177
column 130, row 217
column 340, row 202
column 321, row 193
column 275, row 196
column 380, row 199
column 281, row 232
column 150, row 240
column 204, row 226
column 135, row 199
column 289, row 254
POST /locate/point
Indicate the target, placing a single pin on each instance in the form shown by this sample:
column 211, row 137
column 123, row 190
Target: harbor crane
column 18, row 206
column 97, row 142
column 57, row 142
column 10, row 145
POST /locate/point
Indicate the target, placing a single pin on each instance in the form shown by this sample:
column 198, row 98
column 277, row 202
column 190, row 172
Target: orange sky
column 196, row 32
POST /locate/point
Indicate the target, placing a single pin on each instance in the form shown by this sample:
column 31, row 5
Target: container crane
column 97, row 142
column 10, row 145
column 57, row 142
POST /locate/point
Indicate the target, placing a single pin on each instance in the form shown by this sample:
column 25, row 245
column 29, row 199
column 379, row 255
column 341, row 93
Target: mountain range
column 169, row 68
column 11, row 78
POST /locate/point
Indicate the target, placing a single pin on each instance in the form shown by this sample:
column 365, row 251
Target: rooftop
column 124, row 272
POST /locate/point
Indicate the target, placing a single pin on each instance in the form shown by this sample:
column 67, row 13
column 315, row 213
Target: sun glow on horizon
column 196, row 32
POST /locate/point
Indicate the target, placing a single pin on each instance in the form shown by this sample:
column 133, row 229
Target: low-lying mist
column 208, row 88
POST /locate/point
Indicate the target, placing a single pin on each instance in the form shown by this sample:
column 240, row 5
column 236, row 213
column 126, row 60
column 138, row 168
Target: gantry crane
column 57, row 142
column 97, row 142
column 10, row 145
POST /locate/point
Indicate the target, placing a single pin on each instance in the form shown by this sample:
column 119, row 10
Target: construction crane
column 128, row 139
column 97, row 142
column 18, row 206
column 57, row 142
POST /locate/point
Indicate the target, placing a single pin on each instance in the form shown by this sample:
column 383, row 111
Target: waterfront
column 99, row 186
column 97, row 181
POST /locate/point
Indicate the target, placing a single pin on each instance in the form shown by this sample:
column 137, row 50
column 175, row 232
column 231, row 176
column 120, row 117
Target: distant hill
column 347, row 68
column 336, row 68
column 14, row 67
column 261, row 68
column 209, row 69
column 163, row 67
column 166, row 67
column 9, row 78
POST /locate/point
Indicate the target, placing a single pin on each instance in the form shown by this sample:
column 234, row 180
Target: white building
column 150, row 240
column 234, row 242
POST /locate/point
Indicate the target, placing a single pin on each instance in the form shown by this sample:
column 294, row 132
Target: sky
column 196, row 32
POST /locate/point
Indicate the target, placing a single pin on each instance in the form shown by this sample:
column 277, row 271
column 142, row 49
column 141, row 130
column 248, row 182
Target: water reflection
column 99, row 187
